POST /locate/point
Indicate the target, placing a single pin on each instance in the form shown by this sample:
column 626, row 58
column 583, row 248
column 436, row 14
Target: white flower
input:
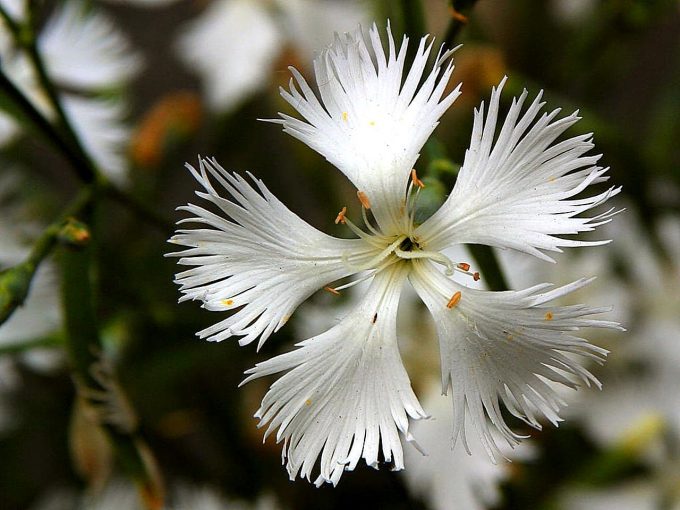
column 84, row 52
column 234, row 44
column 344, row 394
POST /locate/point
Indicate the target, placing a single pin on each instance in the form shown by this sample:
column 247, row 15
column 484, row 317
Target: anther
column 332, row 290
column 548, row 316
column 457, row 15
column 464, row 266
column 340, row 218
column 475, row 276
column 363, row 198
column 416, row 181
column 455, row 299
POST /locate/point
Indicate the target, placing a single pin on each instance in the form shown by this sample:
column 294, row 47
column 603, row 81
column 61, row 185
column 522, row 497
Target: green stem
column 84, row 346
column 82, row 166
column 15, row 283
column 30, row 44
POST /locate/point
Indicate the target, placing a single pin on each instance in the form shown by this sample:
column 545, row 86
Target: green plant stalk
column 15, row 282
column 30, row 44
column 82, row 166
column 84, row 345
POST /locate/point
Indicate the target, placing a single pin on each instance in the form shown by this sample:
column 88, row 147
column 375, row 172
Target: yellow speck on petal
column 455, row 299
column 308, row 402
column 344, row 116
column 548, row 316
column 371, row 123
column 227, row 302
column 551, row 178
column 283, row 320
column 363, row 198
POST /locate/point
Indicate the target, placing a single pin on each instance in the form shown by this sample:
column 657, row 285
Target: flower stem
column 15, row 282
column 84, row 347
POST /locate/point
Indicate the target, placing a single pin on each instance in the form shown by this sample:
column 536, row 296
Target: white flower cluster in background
column 234, row 44
column 86, row 54
column 344, row 394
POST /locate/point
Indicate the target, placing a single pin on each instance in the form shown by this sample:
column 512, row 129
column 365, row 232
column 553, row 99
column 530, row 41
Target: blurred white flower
column 345, row 394
column 234, row 44
column 447, row 478
column 85, row 52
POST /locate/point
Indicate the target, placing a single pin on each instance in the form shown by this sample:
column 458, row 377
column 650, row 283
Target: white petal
column 368, row 123
column 83, row 48
column 262, row 261
column 99, row 123
column 345, row 392
column 518, row 192
column 507, row 347
column 232, row 46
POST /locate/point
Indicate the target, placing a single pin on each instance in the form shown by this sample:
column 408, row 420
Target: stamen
column 416, row 181
column 363, row 198
column 332, row 290
column 368, row 223
column 370, row 264
column 455, row 299
column 457, row 15
column 464, row 266
column 432, row 255
column 340, row 218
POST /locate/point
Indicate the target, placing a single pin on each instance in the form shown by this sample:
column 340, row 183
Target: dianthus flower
column 344, row 394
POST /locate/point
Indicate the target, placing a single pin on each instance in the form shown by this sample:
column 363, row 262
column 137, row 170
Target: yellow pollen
column 332, row 290
column 551, row 179
column 340, row 218
column 308, row 402
column 416, row 181
column 548, row 316
column 364, row 200
column 344, row 116
column 475, row 276
column 455, row 299
column 227, row 302
column 464, row 266
column 371, row 123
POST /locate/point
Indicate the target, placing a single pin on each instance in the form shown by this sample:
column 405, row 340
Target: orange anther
column 332, row 290
column 475, row 276
column 548, row 316
column 464, row 266
column 340, row 218
column 416, row 181
column 455, row 299
column 363, row 198
column 457, row 16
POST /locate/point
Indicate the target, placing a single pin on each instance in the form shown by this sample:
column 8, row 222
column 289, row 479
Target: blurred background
column 145, row 86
